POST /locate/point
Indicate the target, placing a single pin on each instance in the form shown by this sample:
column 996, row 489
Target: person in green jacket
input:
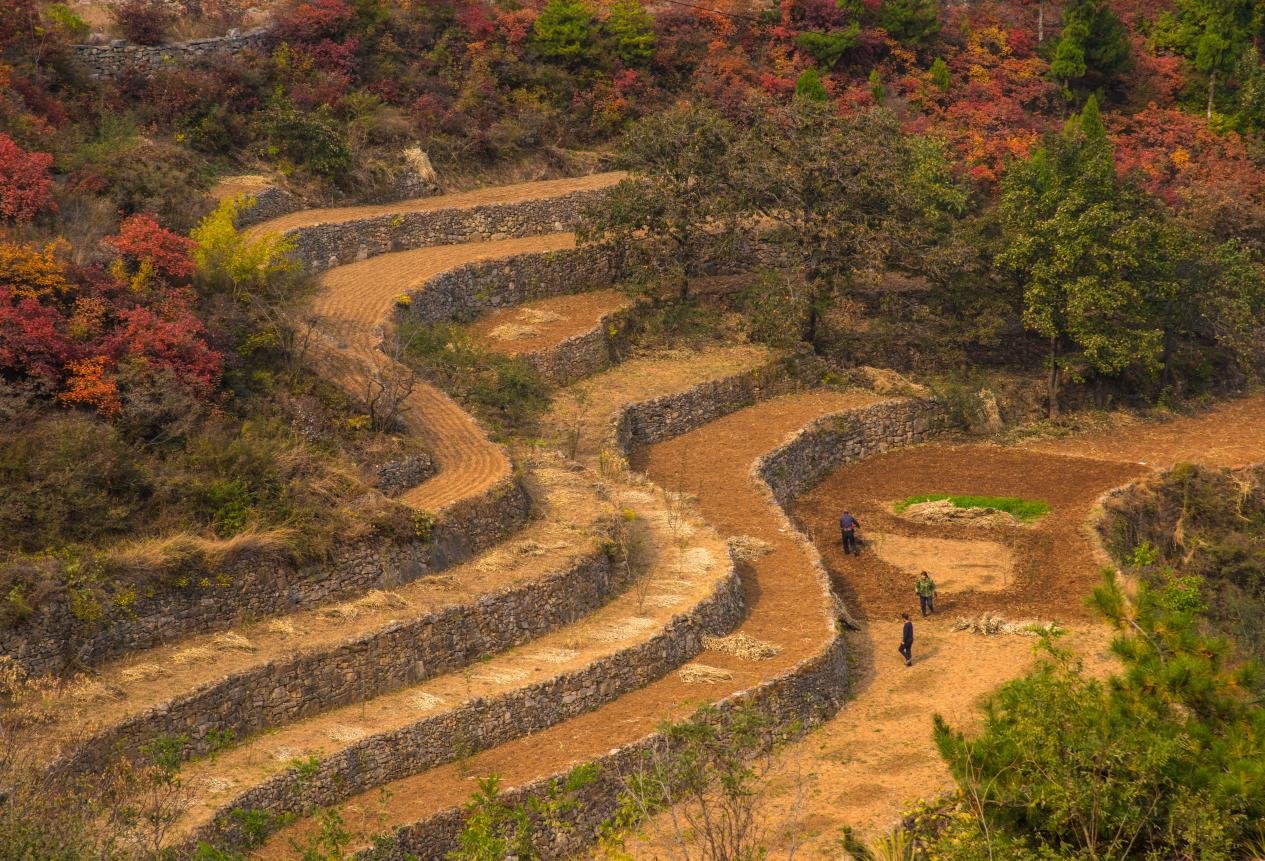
column 925, row 588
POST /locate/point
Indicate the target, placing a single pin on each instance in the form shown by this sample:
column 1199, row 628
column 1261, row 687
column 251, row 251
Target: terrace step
column 689, row 590
column 266, row 674
column 790, row 611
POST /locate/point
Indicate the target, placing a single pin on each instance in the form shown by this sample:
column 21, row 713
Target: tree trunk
column 1040, row 21
column 1052, row 383
column 1212, row 85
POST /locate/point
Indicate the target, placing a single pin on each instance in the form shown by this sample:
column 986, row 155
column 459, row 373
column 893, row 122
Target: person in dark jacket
column 906, row 647
column 848, row 527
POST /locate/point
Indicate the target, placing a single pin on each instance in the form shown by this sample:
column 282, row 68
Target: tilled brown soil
column 877, row 754
column 545, row 323
column 1231, row 433
column 1054, row 562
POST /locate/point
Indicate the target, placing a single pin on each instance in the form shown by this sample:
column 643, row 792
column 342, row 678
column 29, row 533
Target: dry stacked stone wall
column 484, row 723
column 465, row 293
column 258, row 586
column 806, row 694
column 323, row 246
column 403, row 653
column 112, row 59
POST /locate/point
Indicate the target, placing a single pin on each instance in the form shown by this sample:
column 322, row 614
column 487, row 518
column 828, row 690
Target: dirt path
column 783, row 595
column 545, row 323
column 355, row 302
column 460, row 200
column 1231, row 433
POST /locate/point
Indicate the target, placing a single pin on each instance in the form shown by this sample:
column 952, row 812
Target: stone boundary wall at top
column 806, row 694
column 256, row 587
column 376, row 662
column 111, row 60
column 323, row 246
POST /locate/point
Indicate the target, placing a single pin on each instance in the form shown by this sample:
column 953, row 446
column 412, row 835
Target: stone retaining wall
column 581, row 356
column 647, row 422
column 806, row 694
column 271, row 201
column 323, row 246
column 376, row 662
column 256, row 587
column 108, row 61
column 485, row 723
column 467, row 292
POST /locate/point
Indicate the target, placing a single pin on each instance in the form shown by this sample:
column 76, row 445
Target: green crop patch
column 1025, row 510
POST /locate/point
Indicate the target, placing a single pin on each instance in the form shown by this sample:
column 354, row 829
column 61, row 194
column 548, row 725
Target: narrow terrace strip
column 584, row 416
column 300, row 662
column 355, row 304
column 689, row 590
column 784, row 596
column 515, row 193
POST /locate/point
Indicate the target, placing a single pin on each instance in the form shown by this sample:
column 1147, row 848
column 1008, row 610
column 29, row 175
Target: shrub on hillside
column 25, row 182
column 145, row 22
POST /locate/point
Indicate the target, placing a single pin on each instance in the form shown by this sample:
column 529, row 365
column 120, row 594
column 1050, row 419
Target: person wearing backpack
column 925, row 589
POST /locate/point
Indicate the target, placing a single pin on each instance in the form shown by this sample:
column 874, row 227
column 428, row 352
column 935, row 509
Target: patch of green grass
column 1026, row 510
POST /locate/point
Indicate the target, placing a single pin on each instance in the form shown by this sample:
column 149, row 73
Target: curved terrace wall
column 323, row 246
column 255, row 586
column 807, row 693
column 485, row 723
column 404, row 653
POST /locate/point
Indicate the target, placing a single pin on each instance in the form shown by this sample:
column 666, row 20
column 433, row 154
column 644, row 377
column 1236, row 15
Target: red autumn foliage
column 31, row 342
column 312, row 20
column 25, row 183
column 171, row 337
column 141, row 239
column 90, row 384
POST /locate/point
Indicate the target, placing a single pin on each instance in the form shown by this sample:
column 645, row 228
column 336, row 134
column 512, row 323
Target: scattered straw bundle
column 513, row 331
column 193, row 655
column 623, row 629
column 702, row 674
column 343, row 733
column 232, row 642
column 538, row 315
column 747, row 548
column 144, row 673
column 554, row 656
column 990, row 625
column 742, row 646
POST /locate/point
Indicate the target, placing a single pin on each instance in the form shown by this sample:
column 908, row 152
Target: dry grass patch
column 144, row 673
column 702, row 674
column 742, row 646
column 748, row 548
column 623, row 629
column 990, row 625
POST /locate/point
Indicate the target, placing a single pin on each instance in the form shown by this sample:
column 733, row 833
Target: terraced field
column 614, row 607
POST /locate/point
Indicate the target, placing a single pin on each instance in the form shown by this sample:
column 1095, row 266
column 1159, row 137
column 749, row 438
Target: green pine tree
column 629, row 31
column 809, row 86
column 910, row 22
column 564, row 33
column 1093, row 48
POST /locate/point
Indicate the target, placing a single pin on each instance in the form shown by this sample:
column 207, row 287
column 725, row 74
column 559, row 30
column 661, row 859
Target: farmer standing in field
column 906, row 647
column 848, row 526
column 925, row 588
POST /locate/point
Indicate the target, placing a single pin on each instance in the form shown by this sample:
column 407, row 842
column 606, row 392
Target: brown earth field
column 877, row 755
